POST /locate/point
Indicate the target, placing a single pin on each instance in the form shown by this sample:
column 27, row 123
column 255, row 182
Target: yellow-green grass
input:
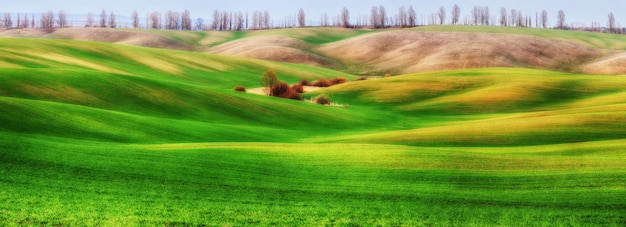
column 592, row 39
column 203, row 69
column 73, row 182
column 485, row 107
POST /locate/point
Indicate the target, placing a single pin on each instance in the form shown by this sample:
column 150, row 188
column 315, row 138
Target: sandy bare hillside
column 612, row 65
column 274, row 48
column 119, row 36
column 409, row 51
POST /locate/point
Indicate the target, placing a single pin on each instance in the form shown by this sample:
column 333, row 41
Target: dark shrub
column 305, row 82
column 361, row 78
column 322, row 100
column 292, row 94
column 336, row 81
column 321, row 83
column 279, row 89
column 240, row 88
column 283, row 90
column 298, row 88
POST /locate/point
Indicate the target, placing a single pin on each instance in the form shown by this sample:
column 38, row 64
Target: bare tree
column 375, row 17
column 513, row 17
column 199, row 24
column 325, row 22
column 266, row 19
column 456, row 14
column 24, row 22
column 47, row 20
column 476, row 15
column 112, row 22
column 135, row 18
column 89, row 20
column 7, row 22
column 301, row 18
column 225, row 20
column 32, row 21
column 103, row 19
column 216, row 20
column 485, row 16
column 441, row 15
column 239, row 21
column 544, row 19
column 412, row 17
column 521, row 21
column 611, row 23
column 185, row 20
column 401, row 18
column 560, row 20
column 503, row 17
column 345, row 17
column 62, row 19
column 155, row 20
column 382, row 13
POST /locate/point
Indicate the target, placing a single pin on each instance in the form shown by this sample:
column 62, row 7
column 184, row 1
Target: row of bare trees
column 377, row 18
column 46, row 20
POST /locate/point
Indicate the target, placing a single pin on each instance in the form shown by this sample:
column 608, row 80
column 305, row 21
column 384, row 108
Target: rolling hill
column 107, row 133
column 396, row 51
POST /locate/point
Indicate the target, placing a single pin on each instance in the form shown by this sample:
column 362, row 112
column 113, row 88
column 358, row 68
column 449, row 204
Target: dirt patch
column 119, row 36
column 273, row 48
column 261, row 91
column 409, row 51
column 612, row 65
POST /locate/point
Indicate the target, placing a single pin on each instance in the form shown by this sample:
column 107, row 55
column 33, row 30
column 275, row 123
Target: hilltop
column 375, row 52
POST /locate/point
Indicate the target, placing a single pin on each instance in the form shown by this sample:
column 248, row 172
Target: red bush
column 305, row 82
column 336, row 81
column 240, row 88
column 283, row 90
column 298, row 88
column 321, row 83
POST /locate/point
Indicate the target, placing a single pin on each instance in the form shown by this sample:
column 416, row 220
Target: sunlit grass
column 100, row 134
column 593, row 39
column 77, row 182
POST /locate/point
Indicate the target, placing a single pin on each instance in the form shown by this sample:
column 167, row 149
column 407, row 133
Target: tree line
column 377, row 18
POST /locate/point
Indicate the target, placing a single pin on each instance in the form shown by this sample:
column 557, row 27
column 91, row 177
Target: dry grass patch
column 612, row 65
column 409, row 51
column 274, row 48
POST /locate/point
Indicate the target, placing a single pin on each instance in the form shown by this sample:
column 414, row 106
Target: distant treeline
column 377, row 18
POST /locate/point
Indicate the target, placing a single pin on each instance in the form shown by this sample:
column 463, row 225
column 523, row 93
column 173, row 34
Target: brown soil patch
column 273, row 48
column 119, row 36
column 612, row 65
column 409, row 51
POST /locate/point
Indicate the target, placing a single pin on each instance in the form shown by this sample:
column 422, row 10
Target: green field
column 102, row 134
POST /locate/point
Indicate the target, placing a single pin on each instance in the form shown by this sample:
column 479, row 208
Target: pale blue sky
column 575, row 10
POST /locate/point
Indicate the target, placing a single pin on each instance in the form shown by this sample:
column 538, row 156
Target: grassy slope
column 100, row 134
column 487, row 107
column 309, row 184
column 127, row 86
column 592, row 39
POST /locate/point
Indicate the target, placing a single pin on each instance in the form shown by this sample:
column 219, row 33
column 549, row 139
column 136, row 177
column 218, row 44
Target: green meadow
column 99, row 134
